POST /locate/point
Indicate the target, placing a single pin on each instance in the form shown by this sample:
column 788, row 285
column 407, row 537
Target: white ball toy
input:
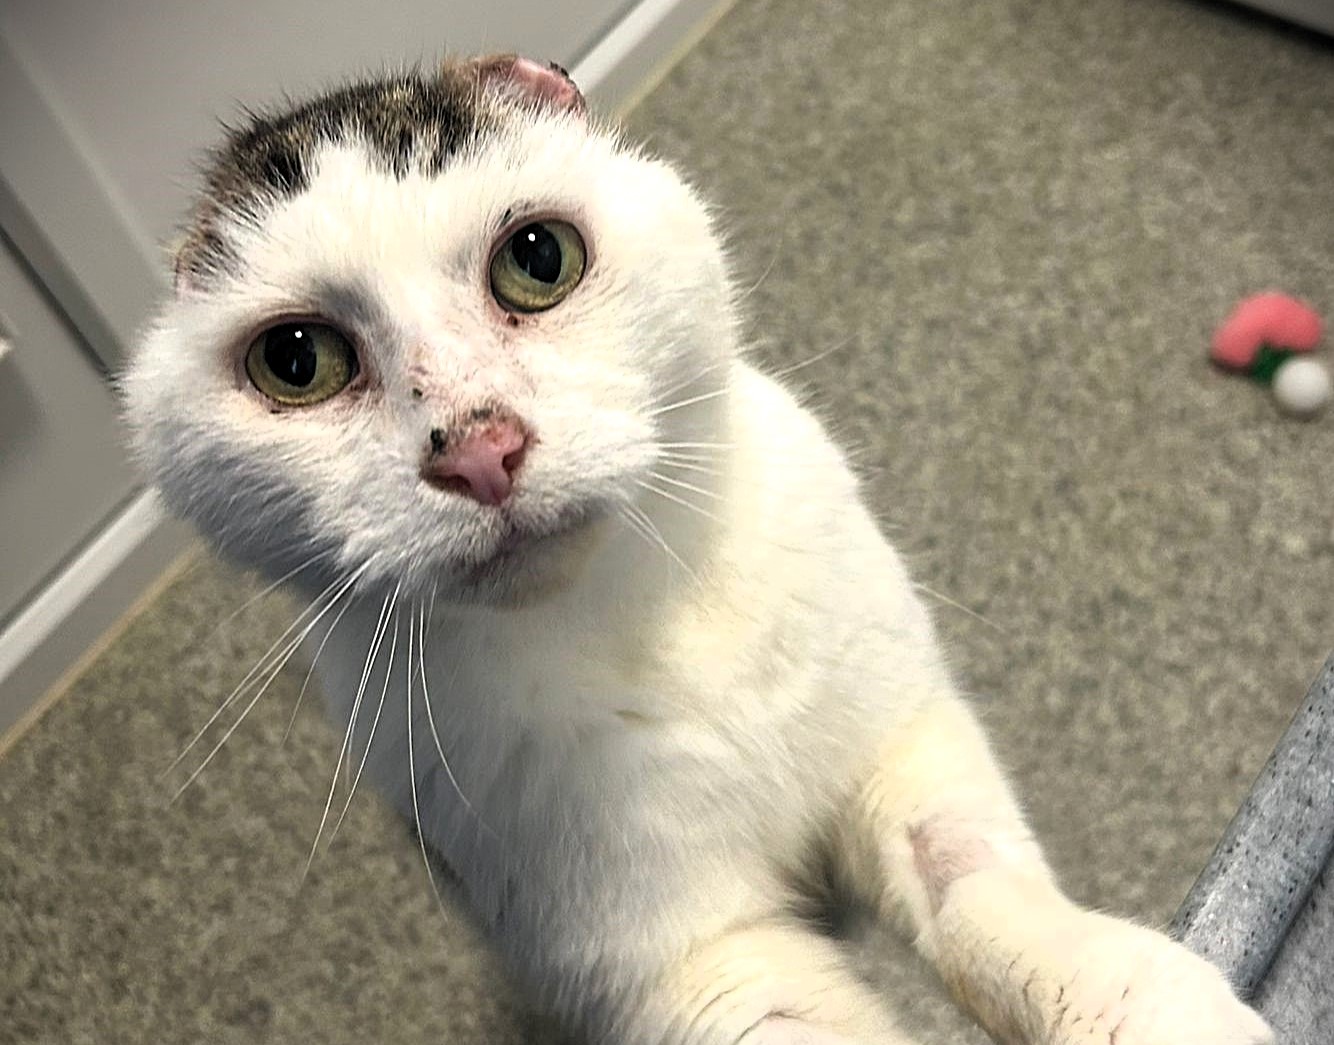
column 1302, row 386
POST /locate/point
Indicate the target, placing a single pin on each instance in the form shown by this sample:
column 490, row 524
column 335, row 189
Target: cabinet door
column 63, row 465
column 141, row 84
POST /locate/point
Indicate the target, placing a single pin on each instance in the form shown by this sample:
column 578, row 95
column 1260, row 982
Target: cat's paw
column 788, row 1030
column 1036, row 970
column 1124, row 985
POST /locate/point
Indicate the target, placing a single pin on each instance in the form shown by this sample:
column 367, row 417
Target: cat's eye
column 537, row 266
column 301, row 363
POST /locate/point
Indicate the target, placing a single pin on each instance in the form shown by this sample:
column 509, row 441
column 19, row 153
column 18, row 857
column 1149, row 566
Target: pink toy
column 1265, row 338
column 1271, row 320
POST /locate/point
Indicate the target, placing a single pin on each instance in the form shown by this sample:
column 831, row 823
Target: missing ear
column 546, row 84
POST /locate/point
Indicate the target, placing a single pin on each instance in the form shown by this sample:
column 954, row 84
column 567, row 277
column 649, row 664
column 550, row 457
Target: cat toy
column 1268, row 337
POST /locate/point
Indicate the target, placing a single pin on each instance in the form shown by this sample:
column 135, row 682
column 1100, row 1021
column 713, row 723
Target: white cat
column 610, row 618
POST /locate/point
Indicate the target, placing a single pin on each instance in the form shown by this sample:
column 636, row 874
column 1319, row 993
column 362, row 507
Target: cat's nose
column 480, row 462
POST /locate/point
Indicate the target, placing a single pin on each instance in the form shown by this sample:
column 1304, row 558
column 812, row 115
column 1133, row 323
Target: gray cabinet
column 141, row 84
column 62, row 467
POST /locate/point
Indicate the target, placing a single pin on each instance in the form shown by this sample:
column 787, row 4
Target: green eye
column 300, row 364
column 537, row 266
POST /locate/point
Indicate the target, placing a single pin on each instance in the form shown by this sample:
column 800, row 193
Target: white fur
column 647, row 746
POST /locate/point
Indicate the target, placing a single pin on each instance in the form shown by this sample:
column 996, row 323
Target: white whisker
column 667, row 392
column 268, row 590
column 379, row 709
column 688, row 466
column 786, row 371
column 262, row 665
column 640, row 523
column 311, row 671
column 273, row 672
column 435, row 733
column 701, row 398
column 695, row 459
column 678, row 500
column 635, row 528
column 665, row 450
column 412, row 775
column 682, row 484
column 774, row 255
column 372, row 657
column 376, row 638
column 226, row 736
column 958, row 606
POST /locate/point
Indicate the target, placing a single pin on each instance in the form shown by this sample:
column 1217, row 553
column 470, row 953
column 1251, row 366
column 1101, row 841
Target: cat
column 603, row 613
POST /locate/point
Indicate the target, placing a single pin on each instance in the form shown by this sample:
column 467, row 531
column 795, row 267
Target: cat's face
column 439, row 359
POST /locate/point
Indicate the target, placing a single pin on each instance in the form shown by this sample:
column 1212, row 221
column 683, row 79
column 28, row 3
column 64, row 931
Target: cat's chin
column 528, row 565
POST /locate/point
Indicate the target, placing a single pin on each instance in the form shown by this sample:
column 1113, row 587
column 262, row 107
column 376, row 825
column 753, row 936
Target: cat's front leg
column 1063, row 975
column 936, row 840
column 772, row 981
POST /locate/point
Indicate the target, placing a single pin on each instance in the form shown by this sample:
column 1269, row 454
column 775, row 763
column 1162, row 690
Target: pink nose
column 480, row 463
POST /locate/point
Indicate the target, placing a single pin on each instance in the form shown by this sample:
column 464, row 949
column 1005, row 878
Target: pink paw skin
column 1273, row 319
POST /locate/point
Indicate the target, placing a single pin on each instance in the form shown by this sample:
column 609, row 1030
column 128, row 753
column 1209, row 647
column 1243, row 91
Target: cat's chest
column 588, row 777
column 579, row 721
column 520, row 719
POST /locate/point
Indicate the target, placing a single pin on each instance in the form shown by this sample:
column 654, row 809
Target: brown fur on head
column 409, row 122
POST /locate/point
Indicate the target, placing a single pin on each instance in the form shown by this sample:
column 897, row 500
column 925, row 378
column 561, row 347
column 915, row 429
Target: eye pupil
column 537, row 252
column 537, row 266
column 289, row 351
column 301, row 363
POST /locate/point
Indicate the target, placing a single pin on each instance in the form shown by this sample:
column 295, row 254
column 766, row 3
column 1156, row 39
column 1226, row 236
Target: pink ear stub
column 547, row 84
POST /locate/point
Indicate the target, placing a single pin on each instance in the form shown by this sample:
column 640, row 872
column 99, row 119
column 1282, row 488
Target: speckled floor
column 1018, row 222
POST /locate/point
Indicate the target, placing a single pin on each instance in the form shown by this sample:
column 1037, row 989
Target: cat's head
column 427, row 325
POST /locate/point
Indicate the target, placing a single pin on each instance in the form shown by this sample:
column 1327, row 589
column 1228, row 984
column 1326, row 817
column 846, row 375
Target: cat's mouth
column 520, row 539
column 532, row 554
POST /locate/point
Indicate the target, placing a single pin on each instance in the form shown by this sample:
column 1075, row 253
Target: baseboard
column 641, row 48
column 56, row 636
